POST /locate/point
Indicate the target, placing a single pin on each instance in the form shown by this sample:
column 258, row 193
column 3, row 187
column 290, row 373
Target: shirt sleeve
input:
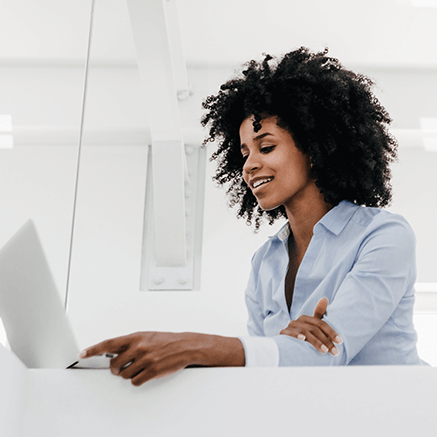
column 383, row 272
column 260, row 351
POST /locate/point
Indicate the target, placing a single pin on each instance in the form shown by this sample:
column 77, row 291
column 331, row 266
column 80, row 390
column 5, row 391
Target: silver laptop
column 38, row 330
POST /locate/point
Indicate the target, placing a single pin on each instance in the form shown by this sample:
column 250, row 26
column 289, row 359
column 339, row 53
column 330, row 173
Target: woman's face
column 276, row 171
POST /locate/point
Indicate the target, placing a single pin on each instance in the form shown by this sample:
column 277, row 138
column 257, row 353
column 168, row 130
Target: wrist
column 214, row 350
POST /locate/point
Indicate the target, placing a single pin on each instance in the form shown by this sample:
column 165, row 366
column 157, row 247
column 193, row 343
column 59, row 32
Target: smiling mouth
column 261, row 182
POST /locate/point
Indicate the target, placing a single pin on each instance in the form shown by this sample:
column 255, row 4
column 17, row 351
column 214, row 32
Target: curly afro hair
column 332, row 115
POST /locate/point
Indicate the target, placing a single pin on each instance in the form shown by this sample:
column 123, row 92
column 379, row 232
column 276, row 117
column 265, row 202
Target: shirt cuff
column 260, row 351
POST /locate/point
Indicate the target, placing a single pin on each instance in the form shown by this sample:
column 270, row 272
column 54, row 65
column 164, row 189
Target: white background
column 42, row 59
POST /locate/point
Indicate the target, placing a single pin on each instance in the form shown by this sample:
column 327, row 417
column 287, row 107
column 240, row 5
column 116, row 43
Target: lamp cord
column 82, row 118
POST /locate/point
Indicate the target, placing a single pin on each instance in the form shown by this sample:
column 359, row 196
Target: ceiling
column 375, row 32
column 393, row 41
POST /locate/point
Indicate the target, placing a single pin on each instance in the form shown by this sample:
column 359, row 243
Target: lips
column 259, row 182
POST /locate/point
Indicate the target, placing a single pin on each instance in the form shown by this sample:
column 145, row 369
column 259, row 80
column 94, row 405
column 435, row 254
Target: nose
column 251, row 164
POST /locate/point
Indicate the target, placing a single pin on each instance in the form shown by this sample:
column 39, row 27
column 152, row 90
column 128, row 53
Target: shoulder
column 366, row 230
column 383, row 238
column 349, row 223
column 382, row 222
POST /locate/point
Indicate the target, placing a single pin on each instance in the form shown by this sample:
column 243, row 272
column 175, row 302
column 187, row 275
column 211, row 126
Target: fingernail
column 338, row 340
column 82, row 354
column 301, row 337
column 324, row 349
column 334, row 351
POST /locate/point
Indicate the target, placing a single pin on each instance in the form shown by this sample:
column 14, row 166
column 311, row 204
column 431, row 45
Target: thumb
column 320, row 309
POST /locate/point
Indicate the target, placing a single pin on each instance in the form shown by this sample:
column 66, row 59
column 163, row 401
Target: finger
column 155, row 371
column 141, row 377
column 132, row 369
column 121, row 362
column 321, row 342
column 317, row 343
column 316, row 336
column 113, row 345
column 328, row 330
column 293, row 332
column 321, row 307
column 312, row 334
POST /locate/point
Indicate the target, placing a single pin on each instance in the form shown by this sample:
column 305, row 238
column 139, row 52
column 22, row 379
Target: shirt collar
column 334, row 220
column 283, row 233
column 338, row 217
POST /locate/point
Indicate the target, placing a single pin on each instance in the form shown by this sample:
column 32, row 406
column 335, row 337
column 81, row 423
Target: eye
column 267, row 149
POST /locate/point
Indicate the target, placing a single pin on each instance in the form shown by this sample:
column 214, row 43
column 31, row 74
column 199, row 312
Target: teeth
column 260, row 182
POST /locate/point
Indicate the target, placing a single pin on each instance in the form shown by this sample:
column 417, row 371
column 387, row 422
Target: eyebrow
column 257, row 138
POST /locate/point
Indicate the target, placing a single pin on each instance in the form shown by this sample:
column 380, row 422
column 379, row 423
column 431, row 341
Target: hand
column 144, row 355
column 314, row 330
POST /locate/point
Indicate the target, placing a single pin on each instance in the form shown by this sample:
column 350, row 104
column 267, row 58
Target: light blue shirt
column 361, row 259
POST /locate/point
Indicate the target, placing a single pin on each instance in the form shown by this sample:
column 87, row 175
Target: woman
column 302, row 138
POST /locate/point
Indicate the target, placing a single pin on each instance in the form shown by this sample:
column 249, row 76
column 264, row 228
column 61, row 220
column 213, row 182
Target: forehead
column 269, row 125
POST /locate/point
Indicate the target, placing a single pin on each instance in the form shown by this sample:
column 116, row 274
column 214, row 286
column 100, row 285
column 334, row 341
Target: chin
column 267, row 206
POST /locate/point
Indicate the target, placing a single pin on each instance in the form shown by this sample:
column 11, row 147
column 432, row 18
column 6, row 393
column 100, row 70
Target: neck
column 303, row 213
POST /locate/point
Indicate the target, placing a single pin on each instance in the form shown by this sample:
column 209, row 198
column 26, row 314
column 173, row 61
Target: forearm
column 213, row 350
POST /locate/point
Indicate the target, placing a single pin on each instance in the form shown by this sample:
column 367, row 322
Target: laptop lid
column 38, row 329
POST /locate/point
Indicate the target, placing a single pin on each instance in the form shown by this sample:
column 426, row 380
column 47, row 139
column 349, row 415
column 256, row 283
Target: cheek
column 295, row 176
column 300, row 166
column 245, row 178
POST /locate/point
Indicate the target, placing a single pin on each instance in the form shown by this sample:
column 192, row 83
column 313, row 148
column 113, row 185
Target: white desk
column 352, row 402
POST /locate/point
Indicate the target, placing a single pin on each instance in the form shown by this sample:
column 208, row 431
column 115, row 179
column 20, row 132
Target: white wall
column 37, row 180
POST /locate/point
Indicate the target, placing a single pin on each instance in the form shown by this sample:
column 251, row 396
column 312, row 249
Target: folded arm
column 314, row 330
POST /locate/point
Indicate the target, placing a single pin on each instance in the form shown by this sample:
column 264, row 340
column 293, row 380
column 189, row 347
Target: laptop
column 37, row 327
